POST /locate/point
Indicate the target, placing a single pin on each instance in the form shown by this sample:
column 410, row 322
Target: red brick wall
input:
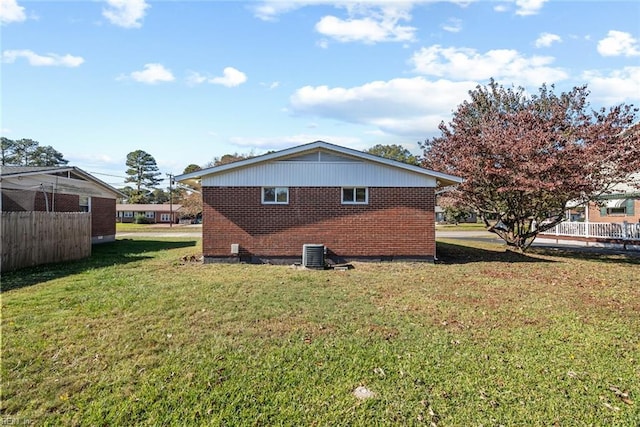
column 103, row 211
column 595, row 214
column 103, row 217
column 397, row 222
column 57, row 203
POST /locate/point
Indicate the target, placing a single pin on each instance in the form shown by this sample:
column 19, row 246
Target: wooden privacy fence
column 34, row 238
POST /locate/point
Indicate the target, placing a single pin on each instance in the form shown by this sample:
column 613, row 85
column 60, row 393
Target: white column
column 586, row 220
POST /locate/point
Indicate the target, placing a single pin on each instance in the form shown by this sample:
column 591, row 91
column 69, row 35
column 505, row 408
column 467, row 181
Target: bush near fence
column 34, row 238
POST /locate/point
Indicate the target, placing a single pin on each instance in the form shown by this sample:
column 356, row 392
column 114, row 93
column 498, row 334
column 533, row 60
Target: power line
column 106, row 174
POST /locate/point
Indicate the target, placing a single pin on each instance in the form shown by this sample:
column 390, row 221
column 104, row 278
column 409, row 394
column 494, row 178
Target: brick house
column 155, row 213
column 621, row 205
column 357, row 205
column 61, row 189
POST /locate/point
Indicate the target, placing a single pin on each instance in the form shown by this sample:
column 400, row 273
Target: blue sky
column 189, row 81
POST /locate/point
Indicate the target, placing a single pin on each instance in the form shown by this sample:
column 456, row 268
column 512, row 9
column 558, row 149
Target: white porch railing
column 621, row 231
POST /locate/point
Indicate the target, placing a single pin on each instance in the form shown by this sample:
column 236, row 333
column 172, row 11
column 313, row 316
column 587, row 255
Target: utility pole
column 170, row 199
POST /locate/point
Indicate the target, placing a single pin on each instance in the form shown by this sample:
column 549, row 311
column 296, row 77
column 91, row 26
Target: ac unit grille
column 312, row 255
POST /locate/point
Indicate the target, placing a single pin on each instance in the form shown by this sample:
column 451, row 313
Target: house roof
column 442, row 178
column 21, row 171
column 131, row 207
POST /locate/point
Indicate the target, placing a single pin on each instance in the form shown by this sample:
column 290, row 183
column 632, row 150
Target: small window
column 165, row 217
column 150, row 215
column 275, row 195
column 617, row 211
column 355, row 195
column 128, row 214
column 85, row 204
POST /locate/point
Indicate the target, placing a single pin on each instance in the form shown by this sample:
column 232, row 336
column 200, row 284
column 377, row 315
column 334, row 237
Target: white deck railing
column 622, row 231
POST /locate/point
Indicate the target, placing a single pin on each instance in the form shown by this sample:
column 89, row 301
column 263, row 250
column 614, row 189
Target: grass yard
column 135, row 336
column 461, row 227
column 129, row 227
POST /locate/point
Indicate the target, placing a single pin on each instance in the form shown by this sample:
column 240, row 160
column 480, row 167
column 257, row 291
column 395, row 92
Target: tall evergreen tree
column 27, row 152
column 143, row 173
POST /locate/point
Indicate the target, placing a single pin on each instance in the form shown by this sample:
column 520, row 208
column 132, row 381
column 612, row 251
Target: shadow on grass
column 604, row 255
column 451, row 253
column 102, row 255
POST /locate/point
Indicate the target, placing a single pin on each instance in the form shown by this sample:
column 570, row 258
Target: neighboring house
column 61, row 189
column 441, row 216
column 356, row 205
column 154, row 213
column 621, row 205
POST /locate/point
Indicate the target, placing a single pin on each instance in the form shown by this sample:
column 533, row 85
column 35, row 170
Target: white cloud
column 11, row 11
column 323, row 44
column 529, row 7
column 269, row 10
column 501, row 64
column 547, row 39
column 453, row 25
column 230, row 78
column 195, row 78
column 411, row 107
column 270, row 86
column 50, row 59
column 616, row 87
column 152, row 74
column 618, row 43
column 281, row 142
column 523, row 7
column 370, row 21
column 375, row 27
column 125, row 13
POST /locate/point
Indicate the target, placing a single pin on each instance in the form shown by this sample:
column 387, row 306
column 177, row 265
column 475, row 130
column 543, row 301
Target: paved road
column 476, row 235
column 198, row 233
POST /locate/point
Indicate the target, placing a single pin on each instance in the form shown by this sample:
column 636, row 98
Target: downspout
column 53, row 195
column 46, row 199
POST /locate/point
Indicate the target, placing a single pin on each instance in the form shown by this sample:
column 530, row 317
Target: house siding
column 319, row 174
column 397, row 223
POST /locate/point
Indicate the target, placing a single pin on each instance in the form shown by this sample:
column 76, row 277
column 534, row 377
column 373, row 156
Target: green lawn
column 141, row 228
column 136, row 336
column 461, row 227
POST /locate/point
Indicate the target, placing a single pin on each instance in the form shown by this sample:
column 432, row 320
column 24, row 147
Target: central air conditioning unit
column 312, row 256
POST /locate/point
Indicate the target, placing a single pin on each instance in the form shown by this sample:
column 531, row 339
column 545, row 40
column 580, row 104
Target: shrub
column 141, row 219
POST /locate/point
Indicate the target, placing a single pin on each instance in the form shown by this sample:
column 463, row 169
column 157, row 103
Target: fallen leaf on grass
column 621, row 394
column 613, row 408
column 362, row 393
column 380, row 372
column 607, row 404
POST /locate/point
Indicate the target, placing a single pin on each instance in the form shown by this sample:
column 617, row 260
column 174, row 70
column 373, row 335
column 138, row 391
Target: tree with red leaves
column 524, row 158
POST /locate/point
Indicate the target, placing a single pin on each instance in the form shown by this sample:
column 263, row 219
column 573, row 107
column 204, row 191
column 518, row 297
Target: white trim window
column 128, row 214
column 150, row 214
column 165, row 217
column 275, row 195
column 355, row 195
column 85, row 204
